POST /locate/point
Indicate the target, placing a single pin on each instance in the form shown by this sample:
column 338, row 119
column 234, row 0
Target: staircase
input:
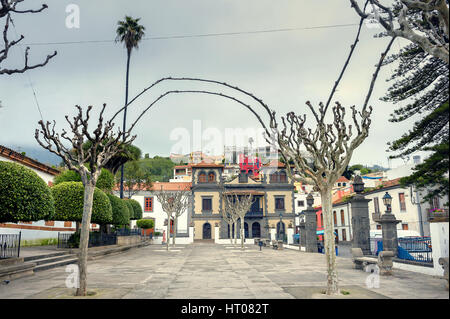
column 52, row 260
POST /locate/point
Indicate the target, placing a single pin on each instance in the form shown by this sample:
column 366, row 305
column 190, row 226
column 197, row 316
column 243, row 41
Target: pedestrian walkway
column 213, row 271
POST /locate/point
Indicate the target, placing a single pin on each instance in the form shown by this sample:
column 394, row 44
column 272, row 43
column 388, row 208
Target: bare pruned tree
column 173, row 203
column 105, row 143
column 8, row 7
column 229, row 214
column 239, row 205
column 423, row 22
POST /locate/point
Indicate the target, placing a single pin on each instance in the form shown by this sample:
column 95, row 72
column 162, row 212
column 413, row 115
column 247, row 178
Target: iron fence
column 416, row 249
column 10, row 245
column 96, row 239
column 129, row 232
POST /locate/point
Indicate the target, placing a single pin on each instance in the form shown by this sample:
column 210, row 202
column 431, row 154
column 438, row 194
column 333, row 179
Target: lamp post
column 387, row 201
column 389, row 226
column 281, row 232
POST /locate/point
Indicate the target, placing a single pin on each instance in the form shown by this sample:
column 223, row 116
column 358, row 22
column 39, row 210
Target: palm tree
column 130, row 32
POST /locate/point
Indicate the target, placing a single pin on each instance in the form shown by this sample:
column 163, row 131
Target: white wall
column 159, row 215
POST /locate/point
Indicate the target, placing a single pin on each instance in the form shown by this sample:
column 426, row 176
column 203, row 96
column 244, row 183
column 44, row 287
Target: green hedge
column 145, row 223
column 120, row 211
column 69, row 200
column 105, row 181
column 24, row 196
column 130, row 209
column 137, row 209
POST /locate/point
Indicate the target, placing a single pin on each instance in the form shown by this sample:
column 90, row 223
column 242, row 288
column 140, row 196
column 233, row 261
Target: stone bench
column 359, row 261
column 443, row 261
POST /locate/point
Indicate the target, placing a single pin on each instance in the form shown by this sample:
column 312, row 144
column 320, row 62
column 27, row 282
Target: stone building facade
column 273, row 205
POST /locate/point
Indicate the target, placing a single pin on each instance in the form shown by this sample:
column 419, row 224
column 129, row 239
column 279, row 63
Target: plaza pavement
column 205, row 270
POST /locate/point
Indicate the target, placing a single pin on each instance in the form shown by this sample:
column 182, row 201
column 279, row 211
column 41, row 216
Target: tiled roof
column 203, row 164
column 173, row 186
column 342, row 179
column 275, row 163
column 27, row 161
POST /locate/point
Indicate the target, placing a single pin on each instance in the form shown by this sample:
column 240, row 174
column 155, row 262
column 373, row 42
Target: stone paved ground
column 216, row 271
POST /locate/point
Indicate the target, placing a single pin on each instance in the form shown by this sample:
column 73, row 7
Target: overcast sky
column 285, row 69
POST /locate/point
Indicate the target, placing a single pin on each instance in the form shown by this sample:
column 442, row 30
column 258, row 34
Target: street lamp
column 387, row 201
column 310, row 200
column 281, row 233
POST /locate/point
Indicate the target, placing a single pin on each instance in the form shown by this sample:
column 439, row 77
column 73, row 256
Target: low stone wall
column 128, row 240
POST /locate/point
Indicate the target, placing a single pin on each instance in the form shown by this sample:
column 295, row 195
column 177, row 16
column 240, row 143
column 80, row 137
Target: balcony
column 258, row 213
column 437, row 215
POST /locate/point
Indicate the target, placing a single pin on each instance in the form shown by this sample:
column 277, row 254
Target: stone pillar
column 273, row 234
column 216, row 234
column 290, row 236
column 361, row 223
column 302, row 236
column 389, row 232
column 310, row 230
column 191, row 234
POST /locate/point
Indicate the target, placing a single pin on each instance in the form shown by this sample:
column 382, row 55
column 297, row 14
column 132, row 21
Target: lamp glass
column 387, row 199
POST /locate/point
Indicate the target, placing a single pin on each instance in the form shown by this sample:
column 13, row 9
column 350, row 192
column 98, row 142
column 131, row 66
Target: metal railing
column 416, row 249
column 10, row 245
column 96, row 239
column 129, row 232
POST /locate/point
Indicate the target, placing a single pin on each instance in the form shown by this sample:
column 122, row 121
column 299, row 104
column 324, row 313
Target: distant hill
column 37, row 153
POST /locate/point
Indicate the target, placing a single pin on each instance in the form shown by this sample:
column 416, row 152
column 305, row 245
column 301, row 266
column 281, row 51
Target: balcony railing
column 254, row 214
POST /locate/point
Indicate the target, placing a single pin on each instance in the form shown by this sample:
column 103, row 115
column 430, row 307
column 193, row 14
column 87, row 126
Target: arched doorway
column 245, row 230
column 280, row 231
column 206, row 231
column 256, row 230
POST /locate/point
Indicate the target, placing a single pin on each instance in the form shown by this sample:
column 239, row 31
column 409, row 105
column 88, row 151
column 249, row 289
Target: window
column 207, row 204
column 344, row 235
column 378, row 227
column 344, row 184
column 401, row 198
column 435, row 203
column 148, row 207
column 342, row 217
column 279, row 203
column 283, row 178
column 339, row 184
column 211, row 177
column 376, row 205
column 300, row 203
column 405, row 227
column 274, row 178
column 335, row 217
column 202, row 178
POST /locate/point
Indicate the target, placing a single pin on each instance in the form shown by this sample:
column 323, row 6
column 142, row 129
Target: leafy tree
column 105, row 180
column 24, row 196
column 130, row 33
column 432, row 173
column 120, row 211
column 135, row 178
column 69, row 202
column 145, row 223
column 130, row 209
column 159, row 168
column 137, row 209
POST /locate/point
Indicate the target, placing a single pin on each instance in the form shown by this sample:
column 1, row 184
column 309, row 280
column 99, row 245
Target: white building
column 152, row 208
column 39, row 229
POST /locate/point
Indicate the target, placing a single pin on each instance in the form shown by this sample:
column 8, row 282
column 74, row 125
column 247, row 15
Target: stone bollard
column 385, row 262
column 280, row 244
column 443, row 261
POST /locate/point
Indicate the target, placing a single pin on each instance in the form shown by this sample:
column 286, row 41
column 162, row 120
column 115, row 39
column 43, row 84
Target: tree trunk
column 231, row 232
column 84, row 238
column 168, row 233
column 330, row 253
column 235, row 233
column 175, row 222
column 242, row 233
column 125, row 117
